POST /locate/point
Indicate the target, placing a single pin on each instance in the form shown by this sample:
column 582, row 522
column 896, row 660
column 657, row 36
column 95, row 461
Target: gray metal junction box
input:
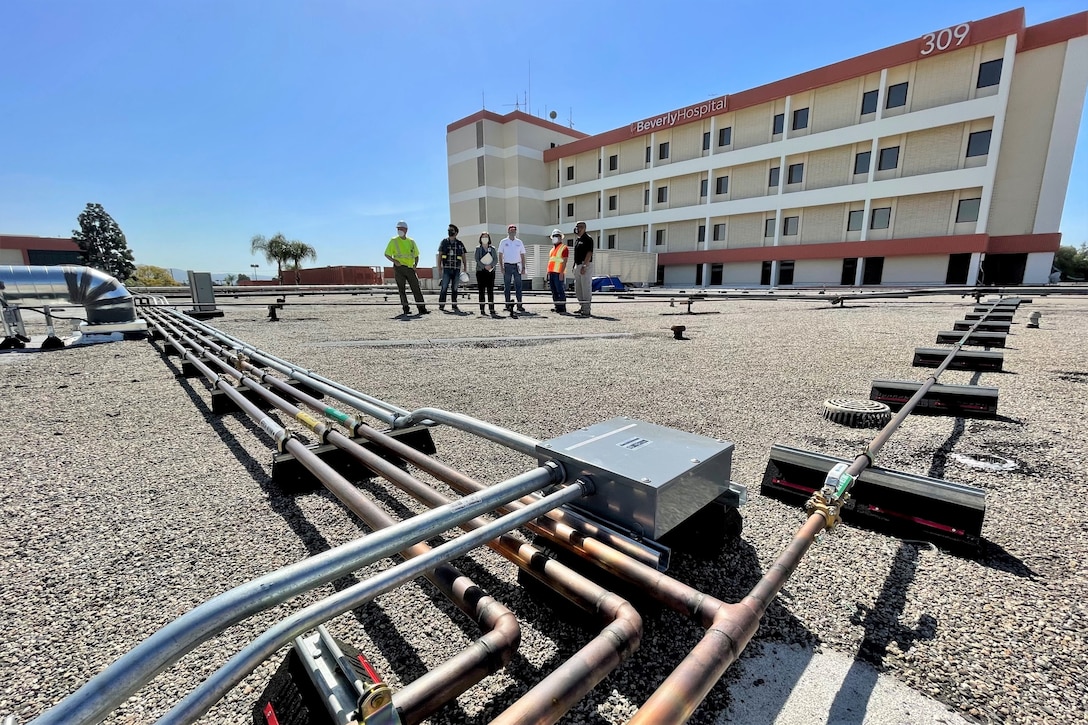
column 648, row 478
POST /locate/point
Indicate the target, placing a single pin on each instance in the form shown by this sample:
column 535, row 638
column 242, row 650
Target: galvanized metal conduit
column 655, row 557
column 225, row 678
column 555, row 695
column 96, row 699
column 689, row 683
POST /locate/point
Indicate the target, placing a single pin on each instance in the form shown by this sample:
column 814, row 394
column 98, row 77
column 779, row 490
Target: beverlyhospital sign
column 681, row 116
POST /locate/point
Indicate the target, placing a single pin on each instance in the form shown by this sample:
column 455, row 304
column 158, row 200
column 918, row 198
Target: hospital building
column 944, row 159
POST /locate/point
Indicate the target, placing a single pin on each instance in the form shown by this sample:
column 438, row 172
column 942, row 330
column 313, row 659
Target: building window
column 790, row 225
column 662, row 194
column 854, row 220
column 598, row 167
column 989, row 74
column 663, row 150
column 765, row 274
column 721, row 185
column 703, row 187
column 861, row 162
column 725, row 136
column 479, row 170
column 889, row 158
column 795, row 173
column 702, row 233
column 967, row 211
column 785, row 271
column 706, row 140
column 570, row 173
column 480, row 133
column 881, row 218
column 849, row 270
column 611, row 241
column 598, row 204
column 768, row 228
column 649, row 152
column 646, row 197
column 868, row 102
column 659, row 237
column 716, row 274
column 978, row 144
column 897, row 96
column 613, row 162
column 772, row 178
column 779, row 123
column 612, row 202
column 719, row 232
column 483, row 210
column 570, row 209
column 800, row 119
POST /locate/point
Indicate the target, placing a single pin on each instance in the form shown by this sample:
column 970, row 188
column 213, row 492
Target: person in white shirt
column 512, row 259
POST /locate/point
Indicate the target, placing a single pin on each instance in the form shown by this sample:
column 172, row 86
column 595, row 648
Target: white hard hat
column 402, row 224
column 464, row 277
column 557, row 233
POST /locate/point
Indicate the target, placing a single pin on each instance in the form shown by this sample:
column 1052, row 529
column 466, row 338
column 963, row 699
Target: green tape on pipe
column 337, row 415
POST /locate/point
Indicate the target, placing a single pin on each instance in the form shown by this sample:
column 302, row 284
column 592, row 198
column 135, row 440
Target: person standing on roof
column 512, row 258
column 451, row 252
column 404, row 254
column 583, row 269
column 486, row 260
column 557, row 271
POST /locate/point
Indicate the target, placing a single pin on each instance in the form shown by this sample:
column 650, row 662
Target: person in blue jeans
column 451, row 253
column 512, row 258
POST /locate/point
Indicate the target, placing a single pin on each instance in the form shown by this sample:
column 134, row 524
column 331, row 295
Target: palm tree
column 296, row 252
column 229, row 279
column 274, row 250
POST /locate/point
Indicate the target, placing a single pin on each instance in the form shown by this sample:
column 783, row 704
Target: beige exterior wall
column 629, row 238
column 683, row 236
column 932, row 150
column 631, row 198
column 684, row 190
column 632, row 154
column 835, row 106
column 685, row 142
column 741, row 273
column 753, row 126
column 11, row 256
column 465, row 213
column 817, row 271
column 463, row 176
column 923, row 215
column 745, row 230
column 461, row 140
column 1025, row 141
column 915, row 270
column 944, row 78
column 823, row 224
column 748, row 181
column 829, row 167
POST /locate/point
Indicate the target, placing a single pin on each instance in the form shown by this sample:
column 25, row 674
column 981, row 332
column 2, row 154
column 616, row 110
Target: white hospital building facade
column 942, row 160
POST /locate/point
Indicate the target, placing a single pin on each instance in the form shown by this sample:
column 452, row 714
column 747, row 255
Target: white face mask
column 402, row 233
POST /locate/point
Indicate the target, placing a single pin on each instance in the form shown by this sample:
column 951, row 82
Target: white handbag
column 487, row 259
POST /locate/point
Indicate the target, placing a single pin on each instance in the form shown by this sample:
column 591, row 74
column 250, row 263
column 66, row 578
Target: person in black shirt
column 583, row 269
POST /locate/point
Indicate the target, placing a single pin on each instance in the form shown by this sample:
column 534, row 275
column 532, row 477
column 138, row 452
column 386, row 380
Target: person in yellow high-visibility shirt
column 404, row 254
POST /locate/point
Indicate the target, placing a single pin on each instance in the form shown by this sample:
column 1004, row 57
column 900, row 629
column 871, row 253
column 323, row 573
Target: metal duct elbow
column 104, row 298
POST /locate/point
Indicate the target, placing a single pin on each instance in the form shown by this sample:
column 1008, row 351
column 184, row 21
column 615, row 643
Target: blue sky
column 199, row 123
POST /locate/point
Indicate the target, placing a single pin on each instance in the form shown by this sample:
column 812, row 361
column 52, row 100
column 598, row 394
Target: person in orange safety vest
column 557, row 272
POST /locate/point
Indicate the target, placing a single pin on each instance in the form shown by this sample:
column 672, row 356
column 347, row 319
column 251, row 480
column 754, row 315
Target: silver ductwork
column 105, row 300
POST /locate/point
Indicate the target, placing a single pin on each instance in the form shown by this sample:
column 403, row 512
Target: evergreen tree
column 103, row 244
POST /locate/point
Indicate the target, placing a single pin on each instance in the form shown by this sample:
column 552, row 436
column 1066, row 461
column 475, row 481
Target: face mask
column 402, row 233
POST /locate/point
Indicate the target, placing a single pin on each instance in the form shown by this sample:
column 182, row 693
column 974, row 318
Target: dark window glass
column 978, row 144
column 716, row 273
column 662, row 194
column 765, row 274
column 663, row 150
column 570, row 173
column 706, row 140
column 612, row 202
column 967, row 211
column 795, row 173
column 719, row 232
column 613, row 162
column 882, row 218
column 889, row 158
column 702, row 233
column 768, row 227
column 989, row 74
column 479, row 134
column 646, row 198
column 659, row 236
column 779, row 122
column 861, row 162
column 725, row 136
column 598, row 205
column 791, row 225
column 872, row 270
column 854, row 221
column 721, row 185
column 772, row 178
column 698, row 274
column 570, row 209
column 611, row 241
column 703, row 187
column 800, row 119
column 897, row 96
column 849, row 270
column 785, row 272
column 868, row 102
column 58, row 256
column 649, row 151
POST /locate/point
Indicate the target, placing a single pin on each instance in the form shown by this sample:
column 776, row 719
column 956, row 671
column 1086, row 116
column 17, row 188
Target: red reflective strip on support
column 270, row 715
column 783, row 482
column 369, row 670
column 917, row 520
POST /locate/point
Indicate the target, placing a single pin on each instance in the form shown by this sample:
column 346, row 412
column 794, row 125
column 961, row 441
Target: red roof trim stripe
column 485, row 115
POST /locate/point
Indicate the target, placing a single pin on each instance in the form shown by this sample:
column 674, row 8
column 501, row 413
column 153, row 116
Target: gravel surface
column 125, row 502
